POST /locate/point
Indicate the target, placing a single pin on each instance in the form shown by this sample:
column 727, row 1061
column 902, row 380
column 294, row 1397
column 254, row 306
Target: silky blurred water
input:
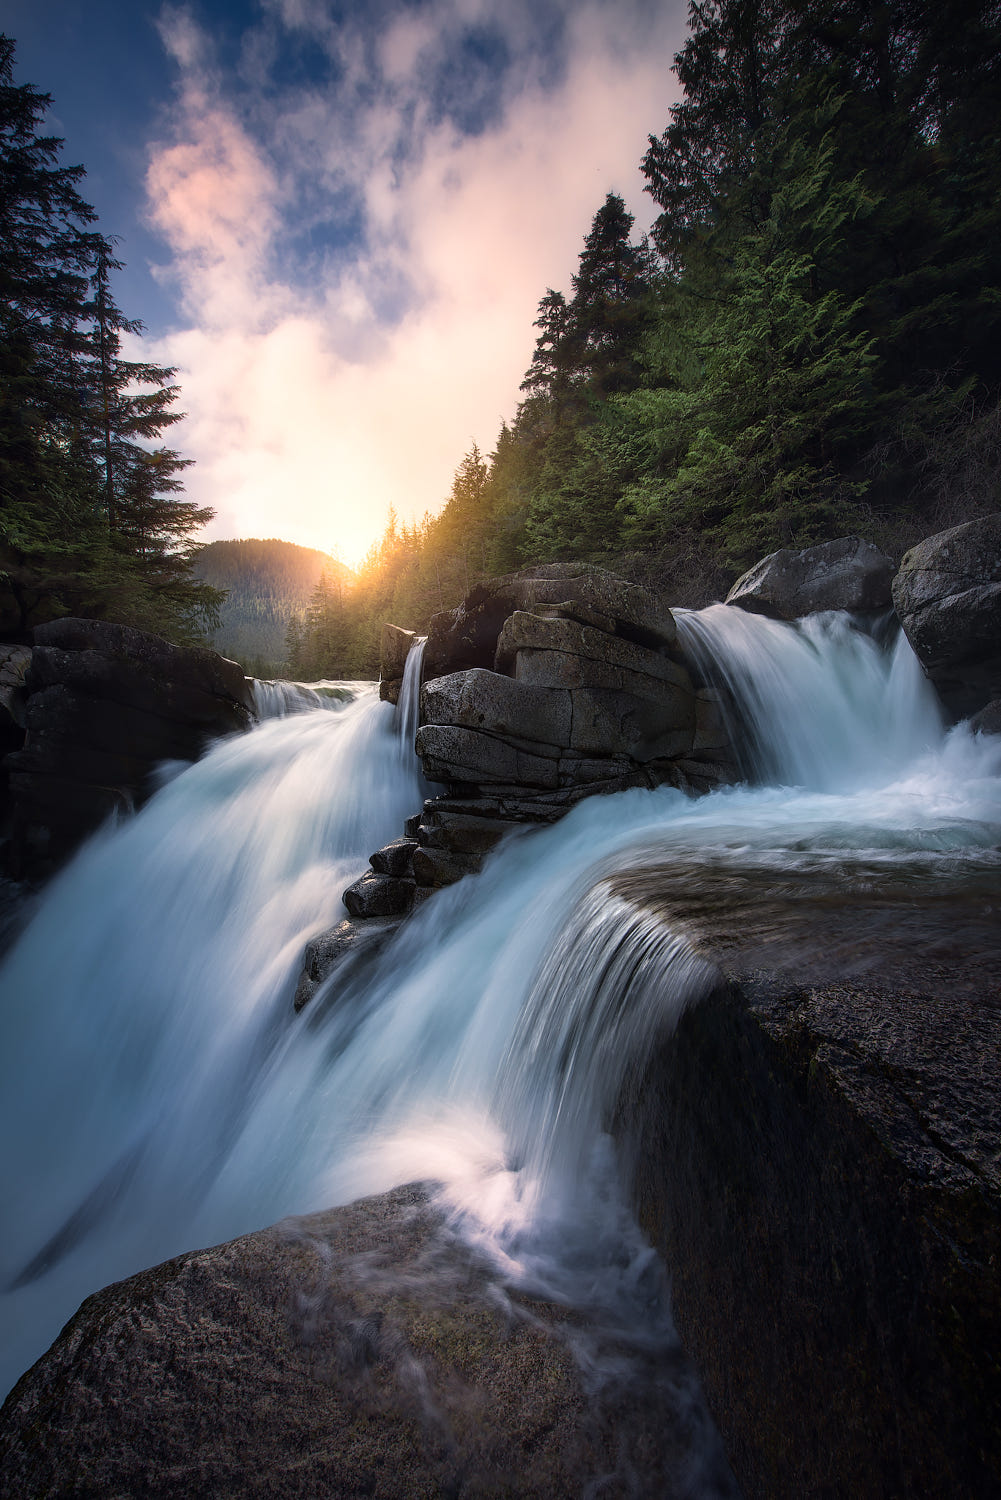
column 157, row 1092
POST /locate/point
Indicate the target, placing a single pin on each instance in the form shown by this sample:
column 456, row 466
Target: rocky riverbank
column 87, row 714
column 563, row 682
column 813, row 1152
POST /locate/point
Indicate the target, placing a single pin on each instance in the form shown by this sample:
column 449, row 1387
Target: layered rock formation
column 546, row 687
column 103, row 705
column 816, row 1158
column 845, row 574
column 948, row 597
column 542, row 688
column 564, row 681
column 363, row 1351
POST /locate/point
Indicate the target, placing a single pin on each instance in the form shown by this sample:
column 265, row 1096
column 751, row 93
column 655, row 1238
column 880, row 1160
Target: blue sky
column 338, row 219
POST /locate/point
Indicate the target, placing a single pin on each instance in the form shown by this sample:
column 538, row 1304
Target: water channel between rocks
column 157, row 1093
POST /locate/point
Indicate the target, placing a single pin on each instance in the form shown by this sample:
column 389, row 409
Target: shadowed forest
column 806, row 345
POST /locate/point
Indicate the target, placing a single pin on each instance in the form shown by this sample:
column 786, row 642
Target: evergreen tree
column 550, row 374
column 608, row 308
column 91, row 521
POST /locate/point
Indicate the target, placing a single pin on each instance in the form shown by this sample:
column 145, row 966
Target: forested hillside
column 92, row 519
column 268, row 586
column 809, row 346
column 809, row 343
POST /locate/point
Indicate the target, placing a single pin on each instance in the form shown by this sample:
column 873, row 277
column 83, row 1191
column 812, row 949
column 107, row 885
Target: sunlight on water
column 157, row 1092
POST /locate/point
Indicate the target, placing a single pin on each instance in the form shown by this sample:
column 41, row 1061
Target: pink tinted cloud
column 309, row 415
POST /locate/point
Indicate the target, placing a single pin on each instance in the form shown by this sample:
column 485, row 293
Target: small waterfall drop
column 157, row 1092
column 827, row 705
column 276, row 699
column 408, row 710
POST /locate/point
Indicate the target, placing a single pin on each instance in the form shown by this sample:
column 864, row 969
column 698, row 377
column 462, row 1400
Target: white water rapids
column 157, row 1092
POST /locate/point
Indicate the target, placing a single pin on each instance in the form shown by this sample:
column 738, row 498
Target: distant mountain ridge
column 268, row 582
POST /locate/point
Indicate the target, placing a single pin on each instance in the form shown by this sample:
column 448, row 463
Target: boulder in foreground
column 817, row 1161
column 363, row 1351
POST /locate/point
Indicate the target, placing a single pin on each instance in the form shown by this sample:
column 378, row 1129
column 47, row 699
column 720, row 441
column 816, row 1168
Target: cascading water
column 157, row 1092
column 827, row 704
column 274, row 700
column 409, row 706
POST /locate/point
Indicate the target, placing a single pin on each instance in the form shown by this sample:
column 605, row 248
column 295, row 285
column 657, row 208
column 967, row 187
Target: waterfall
column 158, row 1093
column 408, row 710
column 274, row 700
column 827, row 704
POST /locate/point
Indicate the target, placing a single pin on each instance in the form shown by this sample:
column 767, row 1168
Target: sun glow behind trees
column 809, row 345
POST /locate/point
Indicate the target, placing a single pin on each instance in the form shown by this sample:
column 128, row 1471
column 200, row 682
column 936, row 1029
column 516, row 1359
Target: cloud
column 358, row 258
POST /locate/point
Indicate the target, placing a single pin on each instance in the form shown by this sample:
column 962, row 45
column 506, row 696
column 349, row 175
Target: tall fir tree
column 88, row 499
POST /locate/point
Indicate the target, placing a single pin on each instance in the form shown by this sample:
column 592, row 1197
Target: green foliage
column 826, row 306
column 267, row 587
column 812, row 347
column 92, row 521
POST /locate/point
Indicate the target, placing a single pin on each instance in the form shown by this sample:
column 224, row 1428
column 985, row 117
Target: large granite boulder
column 362, row 1351
column 104, row 705
column 816, row 1158
column 948, row 597
column 467, row 636
column 570, row 703
column 845, row 574
column 542, row 688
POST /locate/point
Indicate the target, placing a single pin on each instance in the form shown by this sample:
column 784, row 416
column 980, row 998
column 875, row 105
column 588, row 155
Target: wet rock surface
column 562, row 682
column 817, row 1159
column 988, row 720
column 394, row 648
column 948, row 597
column 103, row 705
column 363, row 1351
column 544, row 687
column 467, row 637
column 345, row 947
column 846, row 574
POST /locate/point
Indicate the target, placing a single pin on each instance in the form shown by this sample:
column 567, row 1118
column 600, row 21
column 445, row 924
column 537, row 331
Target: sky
column 338, row 220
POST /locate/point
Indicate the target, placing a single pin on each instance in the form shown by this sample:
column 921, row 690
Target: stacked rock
column 547, row 687
column 542, row 688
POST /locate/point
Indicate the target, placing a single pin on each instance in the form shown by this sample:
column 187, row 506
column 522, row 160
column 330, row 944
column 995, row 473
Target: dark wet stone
column 395, row 645
column 467, row 636
column 438, row 867
column 947, row 595
column 495, row 704
column 103, row 706
column 844, row 574
column 361, row 1351
column 340, row 948
column 379, row 896
column 395, row 858
column 451, row 754
column 988, row 720
column 816, row 1156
